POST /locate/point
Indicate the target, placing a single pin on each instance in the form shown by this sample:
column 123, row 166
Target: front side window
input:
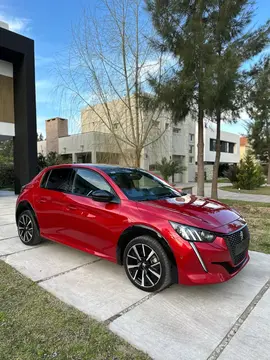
column 87, row 181
column 59, row 180
column 141, row 186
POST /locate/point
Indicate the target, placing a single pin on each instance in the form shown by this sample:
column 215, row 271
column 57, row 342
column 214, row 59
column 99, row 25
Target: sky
column 49, row 23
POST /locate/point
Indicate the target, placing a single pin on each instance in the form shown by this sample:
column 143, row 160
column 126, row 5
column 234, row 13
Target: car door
column 95, row 226
column 50, row 202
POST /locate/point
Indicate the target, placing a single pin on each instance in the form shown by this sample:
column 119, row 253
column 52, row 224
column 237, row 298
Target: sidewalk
column 222, row 194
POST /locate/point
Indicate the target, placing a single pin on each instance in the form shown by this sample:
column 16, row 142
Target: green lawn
column 265, row 190
column 257, row 216
column 34, row 325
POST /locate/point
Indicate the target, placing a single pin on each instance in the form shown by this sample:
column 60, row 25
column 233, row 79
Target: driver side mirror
column 102, row 196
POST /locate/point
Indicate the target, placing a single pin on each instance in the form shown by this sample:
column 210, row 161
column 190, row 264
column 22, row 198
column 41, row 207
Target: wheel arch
column 140, row 230
column 22, row 206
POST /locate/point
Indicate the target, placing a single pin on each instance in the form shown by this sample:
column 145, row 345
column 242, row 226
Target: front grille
column 237, row 244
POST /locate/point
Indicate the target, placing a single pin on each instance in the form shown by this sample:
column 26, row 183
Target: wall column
column 74, row 158
column 94, row 157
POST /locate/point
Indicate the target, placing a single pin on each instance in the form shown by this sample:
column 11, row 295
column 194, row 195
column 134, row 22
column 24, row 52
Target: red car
column 133, row 218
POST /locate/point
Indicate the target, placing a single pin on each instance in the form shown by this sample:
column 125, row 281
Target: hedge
column 6, row 175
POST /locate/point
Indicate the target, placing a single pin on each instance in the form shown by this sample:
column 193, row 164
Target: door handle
column 42, row 200
column 71, row 207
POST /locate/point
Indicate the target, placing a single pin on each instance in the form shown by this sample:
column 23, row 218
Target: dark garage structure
column 19, row 51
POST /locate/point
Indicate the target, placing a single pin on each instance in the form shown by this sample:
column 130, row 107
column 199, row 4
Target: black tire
column 28, row 230
column 153, row 274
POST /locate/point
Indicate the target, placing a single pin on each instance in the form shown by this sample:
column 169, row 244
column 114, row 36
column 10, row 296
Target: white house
column 230, row 148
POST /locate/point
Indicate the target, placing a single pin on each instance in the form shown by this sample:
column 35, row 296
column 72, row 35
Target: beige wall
column 7, row 128
column 243, row 150
column 97, row 119
column 6, row 99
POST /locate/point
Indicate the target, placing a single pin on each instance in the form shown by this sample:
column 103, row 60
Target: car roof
column 107, row 168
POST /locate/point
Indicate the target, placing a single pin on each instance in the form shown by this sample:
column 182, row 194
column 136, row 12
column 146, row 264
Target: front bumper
column 204, row 263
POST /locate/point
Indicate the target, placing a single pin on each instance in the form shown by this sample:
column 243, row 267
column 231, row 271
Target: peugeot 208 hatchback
column 134, row 218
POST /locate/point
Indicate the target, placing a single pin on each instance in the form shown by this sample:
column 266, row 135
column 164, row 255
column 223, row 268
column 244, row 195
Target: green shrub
column 169, row 168
column 6, row 175
column 231, row 173
column 250, row 175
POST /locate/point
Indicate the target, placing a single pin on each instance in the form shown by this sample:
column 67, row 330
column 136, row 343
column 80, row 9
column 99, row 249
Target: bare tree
column 106, row 71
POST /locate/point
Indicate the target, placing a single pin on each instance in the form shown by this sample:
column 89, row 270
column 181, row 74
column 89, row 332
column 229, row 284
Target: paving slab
column 7, row 211
column 101, row 290
column 8, row 231
column 12, row 245
column 252, row 339
column 6, row 219
column 189, row 322
column 47, row 260
column 7, row 205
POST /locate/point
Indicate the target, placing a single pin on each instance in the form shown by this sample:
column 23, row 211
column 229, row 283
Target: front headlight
column 193, row 234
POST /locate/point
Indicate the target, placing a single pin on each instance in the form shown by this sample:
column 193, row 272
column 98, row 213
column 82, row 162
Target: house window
column 212, row 145
column 167, row 125
column 191, row 159
column 225, row 146
column 191, row 137
column 176, row 130
column 231, row 148
column 191, row 149
column 115, row 126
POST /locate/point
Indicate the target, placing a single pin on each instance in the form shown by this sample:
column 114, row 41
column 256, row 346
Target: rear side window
column 45, row 179
column 59, row 180
column 87, row 181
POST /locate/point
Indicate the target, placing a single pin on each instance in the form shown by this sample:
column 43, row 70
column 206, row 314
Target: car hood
column 192, row 210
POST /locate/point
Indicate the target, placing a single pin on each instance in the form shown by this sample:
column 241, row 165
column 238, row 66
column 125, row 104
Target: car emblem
column 241, row 235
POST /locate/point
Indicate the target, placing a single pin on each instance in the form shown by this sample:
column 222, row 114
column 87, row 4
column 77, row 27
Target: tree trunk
column 214, row 190
column 137, row 158
column 200, row 159
column 268, row 175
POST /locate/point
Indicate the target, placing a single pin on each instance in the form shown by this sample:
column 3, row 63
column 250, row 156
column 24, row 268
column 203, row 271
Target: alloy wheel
column 25, row 228
column 143, row 265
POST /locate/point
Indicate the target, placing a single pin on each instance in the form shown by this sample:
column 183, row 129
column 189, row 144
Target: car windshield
column 142, row 186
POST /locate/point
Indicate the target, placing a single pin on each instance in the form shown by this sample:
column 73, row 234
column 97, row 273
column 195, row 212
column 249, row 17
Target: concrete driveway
column 225, row 321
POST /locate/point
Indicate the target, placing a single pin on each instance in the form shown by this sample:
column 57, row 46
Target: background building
column 230, row 149
column 179, row 142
